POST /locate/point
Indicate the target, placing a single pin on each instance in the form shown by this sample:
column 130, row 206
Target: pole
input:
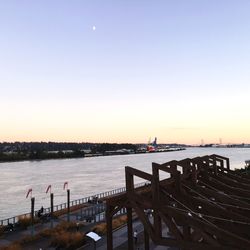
column 130, row 228
column 51, row 209
column 109, row 218
column 32, row 215
column 146, row 239
column 68, row 201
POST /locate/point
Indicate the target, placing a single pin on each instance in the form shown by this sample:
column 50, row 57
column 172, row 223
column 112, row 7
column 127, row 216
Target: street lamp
column 32, row 209
column 51, row 205
column 68, row 200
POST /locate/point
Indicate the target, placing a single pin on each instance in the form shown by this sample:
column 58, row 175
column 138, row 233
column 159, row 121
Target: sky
column 124, row 71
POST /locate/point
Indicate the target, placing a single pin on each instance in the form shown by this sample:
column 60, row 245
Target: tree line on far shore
column 18, row 151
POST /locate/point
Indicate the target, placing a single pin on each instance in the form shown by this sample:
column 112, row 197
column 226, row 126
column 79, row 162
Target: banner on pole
column 48, row 189
column 65, row 185
column 29, row 192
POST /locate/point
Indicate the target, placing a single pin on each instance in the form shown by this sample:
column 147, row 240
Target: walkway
column 120, row 240
column 119, row 236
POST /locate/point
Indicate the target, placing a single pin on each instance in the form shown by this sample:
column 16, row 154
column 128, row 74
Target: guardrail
column 96, row 213
column 13, row 220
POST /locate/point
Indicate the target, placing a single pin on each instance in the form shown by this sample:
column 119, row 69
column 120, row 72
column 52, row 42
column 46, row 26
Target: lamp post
column 32, row 209
column 51, row 205
column 68, row 200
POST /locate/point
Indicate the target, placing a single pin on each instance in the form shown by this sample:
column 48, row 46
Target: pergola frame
column 203, row 203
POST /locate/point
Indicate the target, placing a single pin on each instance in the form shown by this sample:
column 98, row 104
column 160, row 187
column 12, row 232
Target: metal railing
column 13, row 220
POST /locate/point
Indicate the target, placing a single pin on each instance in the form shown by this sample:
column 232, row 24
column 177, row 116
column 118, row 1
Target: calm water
column 86, row 176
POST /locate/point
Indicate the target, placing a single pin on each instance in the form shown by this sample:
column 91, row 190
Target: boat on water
column 153, row 147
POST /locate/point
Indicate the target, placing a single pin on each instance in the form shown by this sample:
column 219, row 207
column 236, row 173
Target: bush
column 116, row 223
column 63, row 235
column 25, row 221
column 46, row 232
column 68, row 240
column 65, row 226
column 1, row 230
column 100, row 228
column 12, row 247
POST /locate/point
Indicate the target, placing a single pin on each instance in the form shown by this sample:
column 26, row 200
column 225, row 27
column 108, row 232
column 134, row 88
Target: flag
column 65, row 184
column 48, row 189
column 29, row 191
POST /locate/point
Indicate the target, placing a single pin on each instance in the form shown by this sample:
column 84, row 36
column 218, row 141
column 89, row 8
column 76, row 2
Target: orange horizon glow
column 175, row 71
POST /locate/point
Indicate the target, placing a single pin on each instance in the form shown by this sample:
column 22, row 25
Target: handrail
column 14, row 219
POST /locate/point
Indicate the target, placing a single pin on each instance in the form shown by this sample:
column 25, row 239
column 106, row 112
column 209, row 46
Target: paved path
column 119, row 238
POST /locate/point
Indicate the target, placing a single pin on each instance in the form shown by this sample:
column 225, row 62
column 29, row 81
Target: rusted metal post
column 68, row 207
column 32, row 214
column 177, row 176
column 51, row 209
column 129, row 191
column 109, row 228
column 228, row 164
column 130, row 228
column 156, row 199
column 146, row 240
column 187, row 232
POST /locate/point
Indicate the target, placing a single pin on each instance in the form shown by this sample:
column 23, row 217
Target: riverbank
column 4, row 158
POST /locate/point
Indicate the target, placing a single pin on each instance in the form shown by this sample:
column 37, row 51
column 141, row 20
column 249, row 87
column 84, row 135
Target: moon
column 93, row 28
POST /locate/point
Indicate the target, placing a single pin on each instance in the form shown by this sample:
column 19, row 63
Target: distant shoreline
column 22, row 158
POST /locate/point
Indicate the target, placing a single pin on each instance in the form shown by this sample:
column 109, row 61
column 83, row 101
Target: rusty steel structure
column 201, row 205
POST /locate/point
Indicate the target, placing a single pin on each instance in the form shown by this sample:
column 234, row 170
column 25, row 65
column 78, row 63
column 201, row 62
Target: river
column 86, row 176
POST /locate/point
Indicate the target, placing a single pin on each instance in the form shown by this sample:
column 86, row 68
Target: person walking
column 135, row 236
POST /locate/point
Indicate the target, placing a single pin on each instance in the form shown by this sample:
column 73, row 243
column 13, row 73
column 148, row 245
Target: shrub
column 12, row 247
column 25, row 221
column 63, row 235
column 119, row 221
column 65, row 226
column 67, row 240
column 116, row 223
column 1, row 230
column 46, row 232
column 100, row 228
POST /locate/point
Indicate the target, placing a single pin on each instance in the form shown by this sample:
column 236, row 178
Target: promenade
column 87, row 216
column 119, row 238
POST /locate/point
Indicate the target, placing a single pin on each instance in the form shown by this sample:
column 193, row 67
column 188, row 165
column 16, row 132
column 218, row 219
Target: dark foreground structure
column 203, row 204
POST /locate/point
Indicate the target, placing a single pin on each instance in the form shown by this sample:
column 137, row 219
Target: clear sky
column 178, row 70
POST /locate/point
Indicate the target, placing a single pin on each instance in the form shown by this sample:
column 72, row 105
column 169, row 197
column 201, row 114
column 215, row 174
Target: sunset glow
column 178, row 70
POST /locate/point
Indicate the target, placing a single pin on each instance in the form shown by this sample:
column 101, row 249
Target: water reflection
column 86, row 176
